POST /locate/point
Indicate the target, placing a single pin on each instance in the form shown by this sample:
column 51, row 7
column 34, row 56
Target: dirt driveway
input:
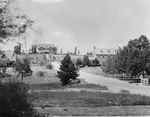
column 113, row 85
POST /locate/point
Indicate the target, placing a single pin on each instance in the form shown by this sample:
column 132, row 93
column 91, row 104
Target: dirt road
column 113, row 85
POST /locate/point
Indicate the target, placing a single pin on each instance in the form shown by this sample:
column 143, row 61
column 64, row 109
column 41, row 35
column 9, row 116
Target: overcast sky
column 85, row 23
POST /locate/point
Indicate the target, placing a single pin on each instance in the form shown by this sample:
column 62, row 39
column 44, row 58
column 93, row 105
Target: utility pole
column 78, row 51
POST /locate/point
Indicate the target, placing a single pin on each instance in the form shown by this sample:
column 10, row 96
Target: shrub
column 78, row 62
column 41, row 74
column 95, row 61
column 42, row 63
column 14, row 101
column 68, row 71
column 49, row 66
column 86, row 61
column 124, row 92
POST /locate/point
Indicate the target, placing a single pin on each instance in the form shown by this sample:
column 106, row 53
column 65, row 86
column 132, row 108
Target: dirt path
column 113, row 85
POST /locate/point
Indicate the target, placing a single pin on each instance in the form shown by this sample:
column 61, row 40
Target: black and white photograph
column 83, row 58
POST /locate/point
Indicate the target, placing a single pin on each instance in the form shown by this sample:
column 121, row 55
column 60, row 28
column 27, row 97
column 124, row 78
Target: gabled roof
column 107, row 51
column 46, row 46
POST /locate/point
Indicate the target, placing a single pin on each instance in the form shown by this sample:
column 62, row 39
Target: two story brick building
column 103, row 53
column 46, row 48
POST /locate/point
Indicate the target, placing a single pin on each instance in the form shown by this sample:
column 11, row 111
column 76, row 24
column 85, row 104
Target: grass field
column 48, row 96
column 85, row 103
column 98, row 111
column 86, row 99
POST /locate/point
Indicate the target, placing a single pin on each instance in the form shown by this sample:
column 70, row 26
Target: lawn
column 97, row 111
column 86, row 99
column 49, row 96
column 86, row 103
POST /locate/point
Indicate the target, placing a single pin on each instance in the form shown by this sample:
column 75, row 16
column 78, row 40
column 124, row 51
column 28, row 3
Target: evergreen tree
column 67, row 71
column 75, row 50
column 17, row 49
column 34, row 49
column 61, row 51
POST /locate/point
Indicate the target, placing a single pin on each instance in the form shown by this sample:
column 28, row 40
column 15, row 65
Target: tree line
column 132, row 59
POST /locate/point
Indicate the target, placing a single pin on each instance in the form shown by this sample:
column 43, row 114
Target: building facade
column 46, row 49
column 103, row 53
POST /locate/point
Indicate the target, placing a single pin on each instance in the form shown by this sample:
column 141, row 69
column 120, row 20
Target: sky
column 87, row 23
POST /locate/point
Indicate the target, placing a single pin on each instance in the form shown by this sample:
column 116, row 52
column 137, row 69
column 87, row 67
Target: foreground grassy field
column 48, row 96
column 85, row 99
column 98, row 111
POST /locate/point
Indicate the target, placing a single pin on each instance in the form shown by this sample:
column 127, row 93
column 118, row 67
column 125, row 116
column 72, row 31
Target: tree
column 134, row 58
column 14, row 101
column 17, row 49
column 55, row 50
column 78, row 51
column 34, row 49
column 12, row 25
column 68, row 71
column 23, row 66
column 111, row 65
column 75, row 50
column 61, row 51
column 3, row 64
column 13, row 98
column 86, row 61
column 139, row 55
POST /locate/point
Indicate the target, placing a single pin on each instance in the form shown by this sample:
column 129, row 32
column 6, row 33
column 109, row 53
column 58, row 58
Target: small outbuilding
column 144, row 80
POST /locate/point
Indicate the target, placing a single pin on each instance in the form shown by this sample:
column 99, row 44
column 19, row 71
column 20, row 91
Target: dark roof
column 107, row 51
column 46, row 46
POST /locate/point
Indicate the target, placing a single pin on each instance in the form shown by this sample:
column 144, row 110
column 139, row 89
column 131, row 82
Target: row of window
column 105, row 56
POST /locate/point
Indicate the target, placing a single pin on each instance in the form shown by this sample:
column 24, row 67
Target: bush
column 14, row 101
column 86, row 61
column 78, row 62
column 41, row 74
column 104, row 68
column 42, row 63
column 95, row 62
column 49, row 66
column 68, row 71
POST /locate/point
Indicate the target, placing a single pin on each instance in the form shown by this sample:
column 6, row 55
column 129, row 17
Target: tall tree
column 34, row 49
column 135, row 57
column 55, row 50
column 23, row 66
column 75, row 50
column 12, row 25
column 67, row 71
column 61, row 51
column 17, row 49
